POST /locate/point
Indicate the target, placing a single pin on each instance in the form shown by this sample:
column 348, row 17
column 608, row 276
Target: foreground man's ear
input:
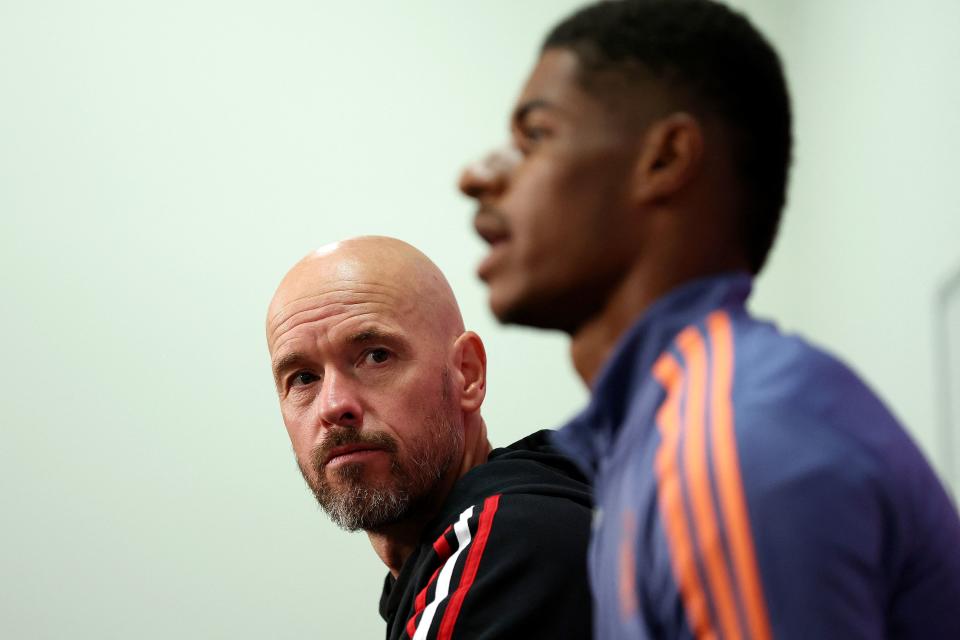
column 671, row 157
column 470, row 375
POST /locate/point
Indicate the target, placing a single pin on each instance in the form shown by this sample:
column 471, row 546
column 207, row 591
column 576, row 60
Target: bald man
column 380, row 389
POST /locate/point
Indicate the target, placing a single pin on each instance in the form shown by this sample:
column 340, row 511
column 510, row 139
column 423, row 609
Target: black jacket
column 505, row 557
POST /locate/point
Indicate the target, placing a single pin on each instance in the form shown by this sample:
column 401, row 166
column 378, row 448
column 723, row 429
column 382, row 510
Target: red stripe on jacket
column 470, row 569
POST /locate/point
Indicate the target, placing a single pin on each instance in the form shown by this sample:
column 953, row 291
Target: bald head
column 379, row 266
column 380, row 387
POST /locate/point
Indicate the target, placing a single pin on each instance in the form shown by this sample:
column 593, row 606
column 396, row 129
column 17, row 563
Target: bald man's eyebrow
column 369, row 336
column 287, row 362
column 523, row 110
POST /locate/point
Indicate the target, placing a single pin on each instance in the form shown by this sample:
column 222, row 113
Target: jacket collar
column 589, row 436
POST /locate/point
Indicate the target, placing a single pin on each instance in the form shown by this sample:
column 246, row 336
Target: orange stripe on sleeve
column 697, row 475
column 730, row 485
column 670, row 499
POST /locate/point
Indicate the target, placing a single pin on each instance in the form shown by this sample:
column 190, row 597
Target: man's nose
column 340, row 401
column 488, row 176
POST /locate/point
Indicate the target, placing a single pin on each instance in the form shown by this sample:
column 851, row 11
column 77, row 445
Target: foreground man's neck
column 395, row 542
column 593, row 343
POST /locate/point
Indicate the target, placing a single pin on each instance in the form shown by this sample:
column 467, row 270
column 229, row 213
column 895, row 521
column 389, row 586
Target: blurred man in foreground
column 380, row 389
column 748, row 485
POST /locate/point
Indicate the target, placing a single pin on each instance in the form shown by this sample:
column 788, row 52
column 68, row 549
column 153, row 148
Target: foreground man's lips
column 489, row 227
column 489, row 263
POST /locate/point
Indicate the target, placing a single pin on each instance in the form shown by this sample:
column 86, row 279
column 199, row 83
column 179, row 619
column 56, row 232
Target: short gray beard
column 361, row 507
column 411, row 485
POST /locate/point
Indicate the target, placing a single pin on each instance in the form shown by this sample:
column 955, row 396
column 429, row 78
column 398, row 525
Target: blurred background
column 162, row 164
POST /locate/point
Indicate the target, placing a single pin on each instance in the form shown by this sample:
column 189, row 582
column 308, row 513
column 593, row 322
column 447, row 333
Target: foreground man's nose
column 488, row 176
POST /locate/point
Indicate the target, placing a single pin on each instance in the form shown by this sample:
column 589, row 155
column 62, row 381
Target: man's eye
column 377, row 356
column 528, row 138
column 303, row 378
column 533, row 134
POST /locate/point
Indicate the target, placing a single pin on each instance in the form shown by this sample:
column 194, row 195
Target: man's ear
column 470, row 359
column 671, row 157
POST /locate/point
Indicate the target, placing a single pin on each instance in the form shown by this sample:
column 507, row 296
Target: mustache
column 344, row 436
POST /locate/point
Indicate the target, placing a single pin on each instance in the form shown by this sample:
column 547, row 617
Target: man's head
column 652, row 136
column 377, row 379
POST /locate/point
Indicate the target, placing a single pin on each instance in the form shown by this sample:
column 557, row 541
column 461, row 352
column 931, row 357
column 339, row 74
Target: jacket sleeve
column 803, row 510
column 511, row 567
column 783, row 533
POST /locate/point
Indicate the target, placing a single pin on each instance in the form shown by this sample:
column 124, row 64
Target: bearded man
column 380, row 389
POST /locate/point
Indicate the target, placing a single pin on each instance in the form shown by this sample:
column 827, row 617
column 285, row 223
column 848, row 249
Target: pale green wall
column 872, row 230
column 163, row 163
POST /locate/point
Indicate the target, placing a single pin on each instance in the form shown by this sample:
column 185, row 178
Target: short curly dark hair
column 717, row 59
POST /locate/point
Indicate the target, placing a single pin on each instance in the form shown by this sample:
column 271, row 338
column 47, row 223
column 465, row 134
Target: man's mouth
column 490, row 226
column 345, row 445
column 350, row 453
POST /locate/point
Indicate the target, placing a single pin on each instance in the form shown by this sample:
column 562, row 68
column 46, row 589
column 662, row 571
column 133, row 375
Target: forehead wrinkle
column 378, row 306
column 344, row 288
column 337, row 299
column 325, row 308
